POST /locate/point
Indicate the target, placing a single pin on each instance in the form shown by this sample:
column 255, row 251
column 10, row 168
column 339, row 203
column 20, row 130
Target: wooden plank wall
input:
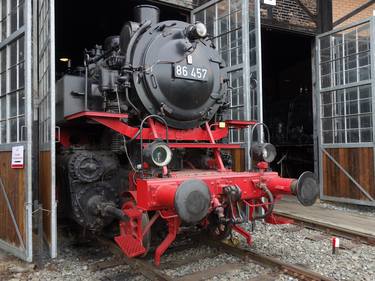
column 45, row 191
column 14, row 183
column 238, row 160
column 359, row 163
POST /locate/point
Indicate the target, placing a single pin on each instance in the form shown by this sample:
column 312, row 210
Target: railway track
column 273, row 267
column 330, row 229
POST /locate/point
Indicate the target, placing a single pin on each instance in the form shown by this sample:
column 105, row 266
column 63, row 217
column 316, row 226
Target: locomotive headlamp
column 158, row 154
column 263, row 152
column 196, row 31
column 201, row 29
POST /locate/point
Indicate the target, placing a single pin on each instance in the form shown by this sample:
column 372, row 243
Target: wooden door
column 15, row 129
column 345, row 99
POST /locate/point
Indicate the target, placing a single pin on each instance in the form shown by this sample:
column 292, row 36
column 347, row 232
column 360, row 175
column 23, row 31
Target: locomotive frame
column 160, row 195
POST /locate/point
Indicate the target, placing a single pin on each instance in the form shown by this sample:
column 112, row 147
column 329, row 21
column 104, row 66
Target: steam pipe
column 115, row 212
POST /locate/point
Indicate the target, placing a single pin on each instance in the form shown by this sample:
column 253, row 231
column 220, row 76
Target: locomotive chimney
column 143, row 13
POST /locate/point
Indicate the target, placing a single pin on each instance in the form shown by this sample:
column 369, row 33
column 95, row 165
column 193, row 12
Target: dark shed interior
column 287, row 99
column 82, row 24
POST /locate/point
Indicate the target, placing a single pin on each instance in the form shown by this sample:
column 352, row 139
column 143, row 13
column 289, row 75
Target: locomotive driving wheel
column 146, row 241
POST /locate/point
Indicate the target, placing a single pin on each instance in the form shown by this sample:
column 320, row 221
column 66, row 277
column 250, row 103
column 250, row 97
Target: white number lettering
column 196, row 72
column 199, row 73
column 184, row 71
column 204, row 73
column 193, row 72
column 178, row 70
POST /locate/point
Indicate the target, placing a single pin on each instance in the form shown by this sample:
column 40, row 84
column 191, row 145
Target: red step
column 130, row 246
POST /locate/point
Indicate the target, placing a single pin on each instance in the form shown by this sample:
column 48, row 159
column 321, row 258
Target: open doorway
column 287, row 94
column 83, row 24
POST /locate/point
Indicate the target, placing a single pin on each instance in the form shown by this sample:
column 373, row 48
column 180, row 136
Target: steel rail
column 287, row 268
column 155, row 273
column 138, row 265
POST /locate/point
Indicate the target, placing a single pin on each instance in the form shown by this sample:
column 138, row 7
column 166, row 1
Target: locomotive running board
column 115, row 122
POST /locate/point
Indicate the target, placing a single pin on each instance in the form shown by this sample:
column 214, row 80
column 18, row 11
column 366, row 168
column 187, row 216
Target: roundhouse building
column 304, row 67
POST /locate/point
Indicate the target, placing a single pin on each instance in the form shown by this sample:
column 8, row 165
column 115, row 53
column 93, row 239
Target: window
column 346, row 115
column 44, row 74
column 345, row 57
column 224, row 23
column 12, row 73
column 236, row 98
column 345, row 86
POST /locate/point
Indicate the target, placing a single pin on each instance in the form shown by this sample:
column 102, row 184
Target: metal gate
column 235, row 28
column 46, row 119
column 15, row 128
column 345, row 100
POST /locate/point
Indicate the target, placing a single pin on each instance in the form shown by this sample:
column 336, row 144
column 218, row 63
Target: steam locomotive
column 141, row 135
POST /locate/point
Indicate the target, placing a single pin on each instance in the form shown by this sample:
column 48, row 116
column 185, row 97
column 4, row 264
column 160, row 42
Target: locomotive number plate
column 190, row 72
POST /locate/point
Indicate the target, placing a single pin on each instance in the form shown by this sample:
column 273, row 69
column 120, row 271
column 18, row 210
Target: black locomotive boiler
column 141, row 139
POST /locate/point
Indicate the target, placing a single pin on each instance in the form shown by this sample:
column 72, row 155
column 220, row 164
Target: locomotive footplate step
column 130, row 246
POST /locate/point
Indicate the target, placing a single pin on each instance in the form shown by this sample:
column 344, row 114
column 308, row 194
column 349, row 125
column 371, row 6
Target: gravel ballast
column 313, row 250
column 290, row 243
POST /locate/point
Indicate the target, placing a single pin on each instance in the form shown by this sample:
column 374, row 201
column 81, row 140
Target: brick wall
column 289, row 12
column 343, row 7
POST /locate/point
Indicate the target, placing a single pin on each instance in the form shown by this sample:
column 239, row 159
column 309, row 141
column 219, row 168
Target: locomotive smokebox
column 144, row 13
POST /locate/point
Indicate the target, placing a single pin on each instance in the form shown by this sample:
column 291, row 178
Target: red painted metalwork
column 131, row 234
column 173, row 226
column 113, row 121
column 244, row 233
column 219, row 160
column 197, row 134
column 96, row 114
column 64, row 138
column 157, row 194
column 240, row 123
column 204, row 145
